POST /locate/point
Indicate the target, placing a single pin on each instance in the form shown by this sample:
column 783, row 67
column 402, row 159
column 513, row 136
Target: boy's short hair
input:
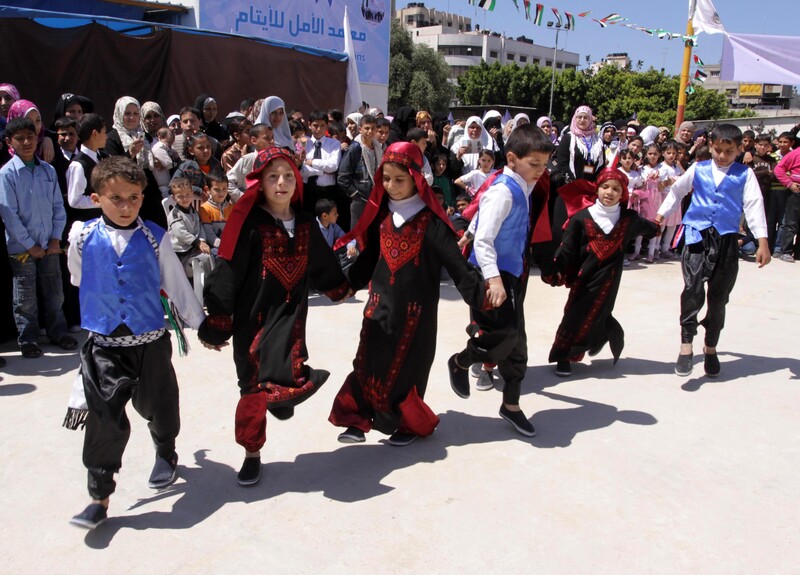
column 318, row 116
column 19, row 125
column 702, row 154
column 335, row 128
column 764, row 138
column 726, row 133
column 749, row 134
column 366, row 119
column 246, row 103
column 186, row 109
column 336, row 114
column 175, row 184
column 528, row 139
column 117, row 167
column 637, row 138
column 216, row 176
column 88, row 124
column 486, row 152
column 323, row 206
column 163, row 132
column 259, row 129
column 382, row 122
column 416, row 134
column 463, row 198
column 788, row 135
column 64, row 123
column 296, row 126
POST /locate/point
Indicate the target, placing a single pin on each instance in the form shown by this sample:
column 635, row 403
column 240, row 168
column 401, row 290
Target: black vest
column 88, row 165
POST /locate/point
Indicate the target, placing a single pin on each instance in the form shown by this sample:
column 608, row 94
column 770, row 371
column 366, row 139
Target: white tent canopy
column 761, row 59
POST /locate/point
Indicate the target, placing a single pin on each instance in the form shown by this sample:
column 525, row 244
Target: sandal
column 66, row 342
column 30, row 350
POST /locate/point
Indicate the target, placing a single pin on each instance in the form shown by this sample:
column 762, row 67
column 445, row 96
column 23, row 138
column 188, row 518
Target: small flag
column 537, row 19
column 570, row 21
column 558, row 17
column 602, row 24
column 527, row 9
column 516, row 5
column 698, row 61
column 613, row 18
column 584, row 14
column 700, row 76
column 450, row 119
column 486, row 4
column 689, row 89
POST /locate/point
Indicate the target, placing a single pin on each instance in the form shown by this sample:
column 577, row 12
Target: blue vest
column 712, row 205
column 511, row 240
column 122, row 289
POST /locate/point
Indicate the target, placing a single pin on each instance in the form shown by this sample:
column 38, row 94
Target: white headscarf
column 354, row 117
column 282, row 134
column 649, row 135
column 491, row 114
column 127, row 136
column 487, row 143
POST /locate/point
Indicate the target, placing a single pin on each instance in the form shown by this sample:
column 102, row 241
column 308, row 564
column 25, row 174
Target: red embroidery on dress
column 375, row 391
column 400, row 247
column 604, row 246
column 372, row 303
column 220, row 322
column 288, row 265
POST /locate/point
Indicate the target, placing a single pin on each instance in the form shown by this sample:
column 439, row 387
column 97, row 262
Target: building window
column 548, row 63
column 715, row 74
column 536, row 61
column 410, row 19
column 523, row 59
column 510, row 57
column 559, row 65
column 492, row 53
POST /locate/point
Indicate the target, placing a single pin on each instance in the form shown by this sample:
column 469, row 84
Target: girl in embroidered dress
column 269, row 256
column 405, row 239
column 589, row 261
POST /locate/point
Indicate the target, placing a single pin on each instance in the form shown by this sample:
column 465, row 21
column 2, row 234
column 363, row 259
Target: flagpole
column 687, row 61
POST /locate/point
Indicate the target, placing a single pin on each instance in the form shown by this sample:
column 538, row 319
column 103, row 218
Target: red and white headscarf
column 410, row 157
column 255, row 196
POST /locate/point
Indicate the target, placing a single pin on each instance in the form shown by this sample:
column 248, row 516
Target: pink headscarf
column 10, row 89
column 573, row 127
column 20, row 109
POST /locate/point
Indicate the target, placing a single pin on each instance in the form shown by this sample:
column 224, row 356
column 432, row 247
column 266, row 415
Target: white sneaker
column 485, row 381
column 475, row 369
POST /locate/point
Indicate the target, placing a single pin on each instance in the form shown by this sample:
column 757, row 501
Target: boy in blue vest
column 121, row 265
column 722, row 190
column 502, row 236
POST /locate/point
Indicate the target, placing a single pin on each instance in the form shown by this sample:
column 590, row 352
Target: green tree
column 418, row 76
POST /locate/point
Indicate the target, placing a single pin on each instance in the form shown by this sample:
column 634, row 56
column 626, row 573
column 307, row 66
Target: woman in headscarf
column 547, row 127
column 468, row 149
column 492, row 123
column 404, row 119
column 209, row 108
column 27, row 109
column 649, row 135
column 351, row 124
column 153, row 120
column 127, row 138
column 580, row 154
column 72, row 106
column 273, row 113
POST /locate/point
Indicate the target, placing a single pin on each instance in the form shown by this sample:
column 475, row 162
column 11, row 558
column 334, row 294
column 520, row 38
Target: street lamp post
column 553, row 79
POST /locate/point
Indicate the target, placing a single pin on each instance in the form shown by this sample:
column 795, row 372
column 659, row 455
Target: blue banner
column 317, row 23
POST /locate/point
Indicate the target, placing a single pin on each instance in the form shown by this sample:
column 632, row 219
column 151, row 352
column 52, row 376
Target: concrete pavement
column 633, row 470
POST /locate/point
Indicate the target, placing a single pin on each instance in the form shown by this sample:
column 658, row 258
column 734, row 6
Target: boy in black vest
column 92, row 134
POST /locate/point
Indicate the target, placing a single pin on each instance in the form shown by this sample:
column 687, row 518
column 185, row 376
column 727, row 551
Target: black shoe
column 518, row 420
column 711, row 365
column 563, row 369
column 459, row 378
column 250, row 472
column 2, row 362
column 401, row 438
column 91, row 517
column 165, row 472
column 352, row 435
column 683, row 366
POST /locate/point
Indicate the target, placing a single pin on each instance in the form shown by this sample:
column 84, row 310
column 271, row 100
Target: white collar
column 404, row 210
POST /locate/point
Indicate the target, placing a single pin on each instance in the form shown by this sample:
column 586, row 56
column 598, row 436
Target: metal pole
column 553, row 80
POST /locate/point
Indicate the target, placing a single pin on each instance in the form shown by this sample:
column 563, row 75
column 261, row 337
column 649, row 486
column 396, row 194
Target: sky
column 589, row 38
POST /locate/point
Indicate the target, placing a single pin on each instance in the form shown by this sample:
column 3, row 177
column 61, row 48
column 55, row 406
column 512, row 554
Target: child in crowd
column 32, row 210
column 669, row 171
column 419, row 138
column 648, row 199
column 270, row 254
column 721, row 190
column 357, row 169
column 772, row 191
column 199, row 165
column 627, row 165
column 215, row 211
column 441, row 179
column 327, row 214
column 635, row 146
column 322, row 156
column 405, row 239
column 67, row 133
column 164, row 160
column 787, row 172
column 457, row 219
column 121, row 265
column 92, row 134
column 472, row 181
column 261, row 138
column 240, row 143
column 502, row 235
column 188, row 238
column 382, row 128
column 589, row 261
